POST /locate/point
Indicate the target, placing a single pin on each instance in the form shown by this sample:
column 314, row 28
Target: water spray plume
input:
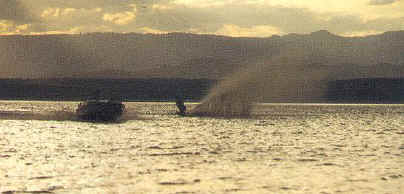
column 281, row 77
column 232, row 97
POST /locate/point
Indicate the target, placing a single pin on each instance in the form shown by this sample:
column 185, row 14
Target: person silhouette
column 96, row 95
column 179, row 101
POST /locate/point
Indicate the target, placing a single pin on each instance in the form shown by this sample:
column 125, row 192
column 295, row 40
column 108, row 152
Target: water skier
column 179, row 101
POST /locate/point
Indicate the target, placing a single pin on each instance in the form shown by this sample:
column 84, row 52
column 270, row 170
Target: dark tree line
column 118, row 89
column 364, row 90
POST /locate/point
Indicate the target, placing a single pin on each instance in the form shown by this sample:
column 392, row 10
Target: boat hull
column 100, row 110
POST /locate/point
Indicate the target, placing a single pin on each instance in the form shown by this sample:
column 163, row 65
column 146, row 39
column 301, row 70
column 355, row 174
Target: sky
column 237, row 18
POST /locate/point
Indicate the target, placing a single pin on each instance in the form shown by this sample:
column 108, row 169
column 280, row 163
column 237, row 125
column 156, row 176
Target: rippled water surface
column 281, row 148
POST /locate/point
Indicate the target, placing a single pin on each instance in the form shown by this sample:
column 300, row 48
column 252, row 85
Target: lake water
column 281, row 148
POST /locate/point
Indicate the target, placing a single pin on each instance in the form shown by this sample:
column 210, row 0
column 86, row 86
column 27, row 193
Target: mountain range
column 194, row 56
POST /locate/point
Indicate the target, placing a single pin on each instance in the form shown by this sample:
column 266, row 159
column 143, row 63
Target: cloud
column 206, row 3
column 74, row 30
column 60, row 20
column 254, row 31
column 66, row 14
column 61, row 15
column 15, row 11
column 5, row 25
column 224, row 17
column 147, row 30
column 242, row 18
column 8, row 27
column 171, row 17
column 381, row 2
column 162, row 7
column 361, row 33
column 59, row 12
column 110, row 5
column 245, row 16
column 121, row 18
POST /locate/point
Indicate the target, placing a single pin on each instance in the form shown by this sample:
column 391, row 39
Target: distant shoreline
column 352, row 91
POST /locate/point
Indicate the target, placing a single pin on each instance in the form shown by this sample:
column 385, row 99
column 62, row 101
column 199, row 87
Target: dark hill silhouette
column 102, row 55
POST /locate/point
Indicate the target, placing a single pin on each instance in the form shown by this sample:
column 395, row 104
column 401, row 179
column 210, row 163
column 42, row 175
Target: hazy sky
column 225, row 17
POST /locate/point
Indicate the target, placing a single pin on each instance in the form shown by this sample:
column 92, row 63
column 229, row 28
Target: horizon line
column 201, row 34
